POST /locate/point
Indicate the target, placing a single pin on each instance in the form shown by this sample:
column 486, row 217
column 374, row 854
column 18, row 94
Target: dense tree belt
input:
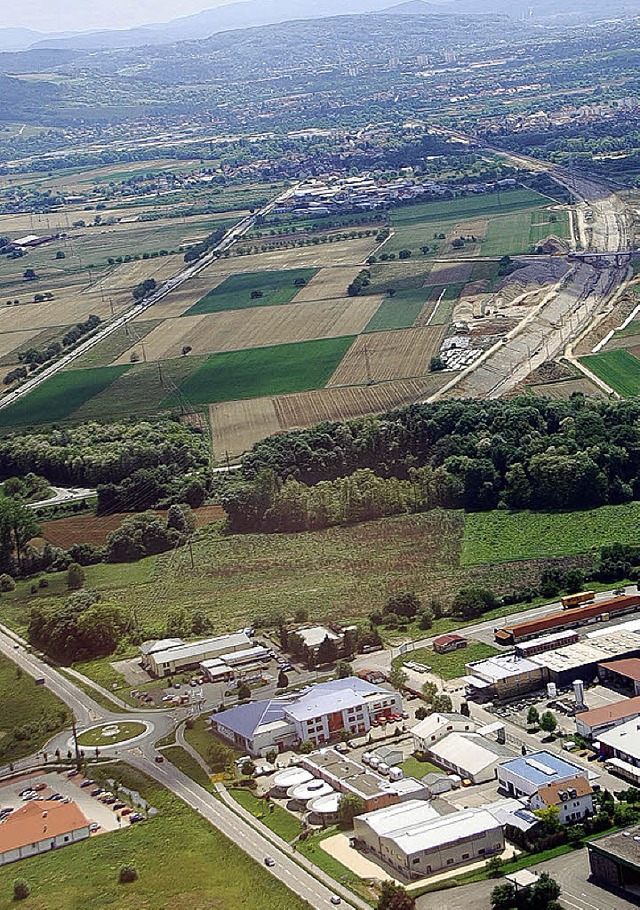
column 520, row 454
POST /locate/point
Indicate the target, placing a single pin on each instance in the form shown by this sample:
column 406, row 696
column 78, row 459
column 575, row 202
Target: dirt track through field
column 389, row 355
column 237, row 425
column 235, row 330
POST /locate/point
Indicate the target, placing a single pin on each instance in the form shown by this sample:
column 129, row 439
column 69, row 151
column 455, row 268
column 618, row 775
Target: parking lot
column 100, row 815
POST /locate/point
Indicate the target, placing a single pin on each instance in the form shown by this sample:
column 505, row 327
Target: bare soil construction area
column 389, row 355
column 236, row 330
column 237, row 425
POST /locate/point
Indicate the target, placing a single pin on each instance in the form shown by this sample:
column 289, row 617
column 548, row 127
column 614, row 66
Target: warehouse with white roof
column 414, row 841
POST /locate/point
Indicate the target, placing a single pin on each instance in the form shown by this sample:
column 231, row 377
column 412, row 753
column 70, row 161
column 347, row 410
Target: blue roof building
column 524, row 776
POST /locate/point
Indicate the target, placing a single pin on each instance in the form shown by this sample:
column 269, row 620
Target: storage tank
column 578, row 691
column 552, row 690
column 383, row 768
column 312, row 790
column 290, row 777
column 396, row 773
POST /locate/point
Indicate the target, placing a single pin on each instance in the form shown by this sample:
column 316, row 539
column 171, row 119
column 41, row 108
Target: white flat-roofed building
column 581, row 660
column 180, row 657
column 547, row 643
column 255, row 654
column 623, row 743
column 414, row 841
column 473, row 757
column 216, row 669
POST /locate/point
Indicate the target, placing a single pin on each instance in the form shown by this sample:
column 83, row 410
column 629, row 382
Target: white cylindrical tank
column 552, row 690
column 578, row 691
column 383, row 768
column 396, row 773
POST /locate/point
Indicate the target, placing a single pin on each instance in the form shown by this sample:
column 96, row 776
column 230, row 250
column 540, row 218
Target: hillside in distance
column 253, row 13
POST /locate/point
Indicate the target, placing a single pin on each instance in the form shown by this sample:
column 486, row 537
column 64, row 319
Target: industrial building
column 438, row 725
column 547, row 643
column 567, row 619
column 313, row 636
column 318, row 714
column 414, row 841
column 614, row 861
column 472, row 756
column 164, row 658
column 523, row 777
column 592, row 724
column 503, row 677
column 346, row 775
column 621, row 674
column 573, row 798
column 621, row 746
column 581, row 660
column 39, row 828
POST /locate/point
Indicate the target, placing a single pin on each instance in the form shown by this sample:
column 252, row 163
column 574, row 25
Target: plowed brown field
column 93, row 529
column 237, row 425
column 389, row 355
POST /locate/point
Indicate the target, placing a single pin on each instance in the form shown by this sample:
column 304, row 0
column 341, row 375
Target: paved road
column 63, row 494
column 310, row 883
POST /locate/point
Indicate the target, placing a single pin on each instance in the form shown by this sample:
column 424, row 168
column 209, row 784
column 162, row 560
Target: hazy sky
column 78, row 15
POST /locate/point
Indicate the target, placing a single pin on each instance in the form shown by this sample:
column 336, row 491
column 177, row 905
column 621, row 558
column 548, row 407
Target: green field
column 619, row 369
column 30, row 714
column 263, row 371
column 450, row 666
column 399, row 311
column 140, row 390
column 96, row 737
column 496, row 537
column 416, row 225
column 57, row 398
column 519, row 232
column 183, row 863
column 235, row 291
column 632, row 329
column 413, row 767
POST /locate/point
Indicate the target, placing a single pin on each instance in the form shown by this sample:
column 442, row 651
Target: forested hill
column 521, row 454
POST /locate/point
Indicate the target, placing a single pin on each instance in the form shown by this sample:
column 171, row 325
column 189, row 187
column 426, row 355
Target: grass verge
column 30, row 714
column 181, row 860
column 274, row 817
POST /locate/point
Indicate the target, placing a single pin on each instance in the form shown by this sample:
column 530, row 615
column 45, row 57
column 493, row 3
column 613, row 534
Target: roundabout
column 112, row 734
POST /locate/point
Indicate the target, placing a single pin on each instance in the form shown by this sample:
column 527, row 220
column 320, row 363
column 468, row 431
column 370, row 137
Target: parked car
column 72, row 773
column 40, row 787
column 126, row 811
column 93, row 827
column 96, row 791
column 159, row 759
column 335, row 899
column 117, row 806
column 87, row 783
column 269, row 861
column 135, row 817
column 110, row 800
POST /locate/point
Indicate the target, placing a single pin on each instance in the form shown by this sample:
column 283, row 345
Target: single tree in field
column 75, row 576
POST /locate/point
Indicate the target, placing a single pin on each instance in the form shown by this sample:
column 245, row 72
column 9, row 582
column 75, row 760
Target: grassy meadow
column 219, row 876
column 262, row 371
column 619, row 369
column 235, row 291
column 30, row 714
column 499, row 537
